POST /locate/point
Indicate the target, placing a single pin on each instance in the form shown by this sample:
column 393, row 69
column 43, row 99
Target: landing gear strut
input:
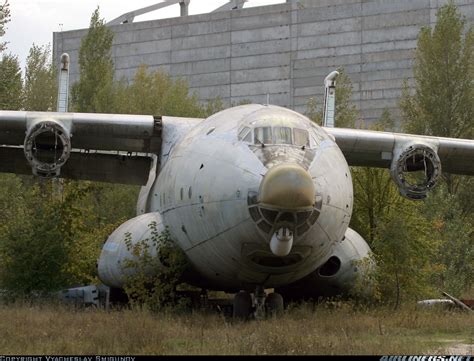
column 259, row 303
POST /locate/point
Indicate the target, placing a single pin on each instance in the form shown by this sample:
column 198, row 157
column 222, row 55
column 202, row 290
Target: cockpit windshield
column 301, row 137
column 263, row 135
column 282, row 135
column 278, row 135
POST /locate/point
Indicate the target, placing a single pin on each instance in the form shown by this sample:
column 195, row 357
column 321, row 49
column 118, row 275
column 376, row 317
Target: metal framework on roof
column 184, row 5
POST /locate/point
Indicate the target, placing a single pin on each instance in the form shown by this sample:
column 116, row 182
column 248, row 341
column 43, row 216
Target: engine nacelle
column 115, row 251
column 415, row 169
column 338, row 275
column 47, row 146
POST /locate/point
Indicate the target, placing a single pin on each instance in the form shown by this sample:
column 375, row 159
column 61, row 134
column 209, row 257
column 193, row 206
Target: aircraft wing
column 100, row 147
column 404, row 153
column 377, row 149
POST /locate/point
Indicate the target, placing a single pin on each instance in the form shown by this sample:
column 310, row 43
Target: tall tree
column 442, row 104
column 155, row 92
column 4, row 19
column 10, row 83
column 443, row 101
column 40, row 88
column 93, row 92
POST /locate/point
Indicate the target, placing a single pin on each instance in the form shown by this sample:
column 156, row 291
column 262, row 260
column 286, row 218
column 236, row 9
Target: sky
column 34, row 21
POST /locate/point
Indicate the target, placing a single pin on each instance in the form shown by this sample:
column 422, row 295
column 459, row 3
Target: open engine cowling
column 115, row 251
column 416, row 169
column 338, row 275
column 47, row 147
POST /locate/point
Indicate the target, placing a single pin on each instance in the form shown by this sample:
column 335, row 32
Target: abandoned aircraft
column 257, row 196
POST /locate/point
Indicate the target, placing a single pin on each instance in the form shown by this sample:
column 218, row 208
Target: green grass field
column 50, row 329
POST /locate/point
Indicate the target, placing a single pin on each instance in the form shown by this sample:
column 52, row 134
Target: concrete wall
column 284, row 50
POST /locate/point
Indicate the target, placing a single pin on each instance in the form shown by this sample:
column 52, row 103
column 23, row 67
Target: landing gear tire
column 242, row 306
column 274, row 305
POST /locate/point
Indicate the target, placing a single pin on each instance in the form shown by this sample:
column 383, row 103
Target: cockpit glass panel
column 248, row 137
column 282, row 135
column 263, row 135
column 244, row 133
column 301, row 137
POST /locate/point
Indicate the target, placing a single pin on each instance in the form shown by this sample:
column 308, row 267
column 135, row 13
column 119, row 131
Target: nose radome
column 287, row 186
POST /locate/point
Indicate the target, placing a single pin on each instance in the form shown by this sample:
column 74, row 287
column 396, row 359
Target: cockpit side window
column 263, row 135
column 245, row 134
column 282, row 135
column 248, row 137
column 301, row 137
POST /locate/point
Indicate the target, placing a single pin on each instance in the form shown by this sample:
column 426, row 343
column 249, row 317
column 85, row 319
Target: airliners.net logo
column 427, row 358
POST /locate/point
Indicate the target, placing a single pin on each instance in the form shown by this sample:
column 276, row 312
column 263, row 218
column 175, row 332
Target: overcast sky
column 34, row 21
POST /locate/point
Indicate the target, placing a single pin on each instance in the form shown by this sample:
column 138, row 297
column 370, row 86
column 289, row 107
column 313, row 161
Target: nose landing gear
column 259, row 307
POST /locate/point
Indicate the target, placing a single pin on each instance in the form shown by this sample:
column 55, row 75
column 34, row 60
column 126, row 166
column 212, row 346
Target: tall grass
column 50, row 329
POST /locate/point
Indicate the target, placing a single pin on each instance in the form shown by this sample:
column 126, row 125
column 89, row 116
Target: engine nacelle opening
column 416, row 170
column 47, row 147
column 330, row 268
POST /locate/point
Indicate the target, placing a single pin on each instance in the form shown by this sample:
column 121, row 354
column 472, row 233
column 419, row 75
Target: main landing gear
column 260, row 307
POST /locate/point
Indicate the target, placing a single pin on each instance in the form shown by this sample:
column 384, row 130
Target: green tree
column 40, row 88
column 10, row 83
column 50, row 240
column 443, row 100
column 93, row 92
column 4, row 19
column 442, row 104
column 155, row 92
column 455, row 229
column 405, row 249
column 33, row 244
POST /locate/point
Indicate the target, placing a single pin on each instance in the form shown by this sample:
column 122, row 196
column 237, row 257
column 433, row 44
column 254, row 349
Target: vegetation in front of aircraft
column 330, row 328
column 154, row 269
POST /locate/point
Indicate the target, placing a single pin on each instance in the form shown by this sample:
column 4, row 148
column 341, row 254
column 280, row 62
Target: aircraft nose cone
column 287, row 186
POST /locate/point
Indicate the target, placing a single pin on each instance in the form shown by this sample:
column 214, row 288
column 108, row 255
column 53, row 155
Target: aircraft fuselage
column 243, row 175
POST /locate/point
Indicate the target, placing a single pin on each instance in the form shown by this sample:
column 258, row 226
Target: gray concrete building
column 283, row 50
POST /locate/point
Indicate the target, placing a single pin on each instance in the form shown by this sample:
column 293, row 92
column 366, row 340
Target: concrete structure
column 284, row 50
